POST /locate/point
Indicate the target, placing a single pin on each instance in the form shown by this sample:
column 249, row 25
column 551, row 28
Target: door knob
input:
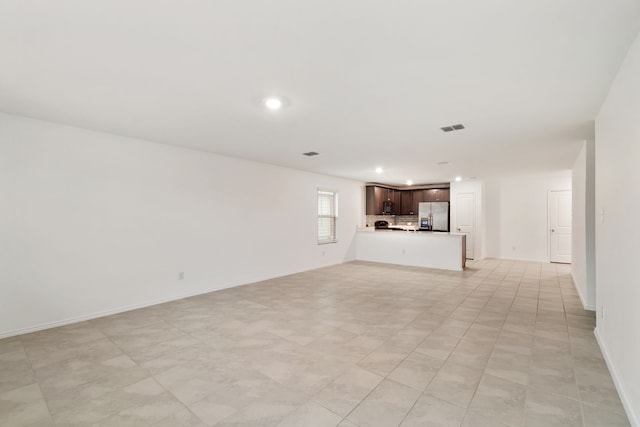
column 553, row 230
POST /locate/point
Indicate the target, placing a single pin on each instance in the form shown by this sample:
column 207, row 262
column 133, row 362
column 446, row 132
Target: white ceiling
column 368, row 82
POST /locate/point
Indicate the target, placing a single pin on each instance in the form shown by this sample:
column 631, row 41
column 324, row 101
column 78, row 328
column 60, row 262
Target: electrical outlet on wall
column 181, row 275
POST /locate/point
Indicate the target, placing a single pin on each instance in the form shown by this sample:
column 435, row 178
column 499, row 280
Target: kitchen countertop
column 409, row 231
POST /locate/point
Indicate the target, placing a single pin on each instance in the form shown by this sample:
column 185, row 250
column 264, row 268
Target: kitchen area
column 410, row 226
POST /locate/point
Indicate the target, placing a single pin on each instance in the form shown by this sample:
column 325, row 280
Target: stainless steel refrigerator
column 437, row 214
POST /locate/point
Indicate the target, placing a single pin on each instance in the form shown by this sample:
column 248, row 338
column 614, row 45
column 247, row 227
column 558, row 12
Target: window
column 327, row 215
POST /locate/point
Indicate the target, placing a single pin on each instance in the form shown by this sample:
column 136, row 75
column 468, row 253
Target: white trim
column 327, row 242
column 549, row 225
column 334, row 216
column 519, row 259
column 633, row 419
column 549, row 191
column 90, row 316
column 105, row 313
column 474, row 216
column 582, row 300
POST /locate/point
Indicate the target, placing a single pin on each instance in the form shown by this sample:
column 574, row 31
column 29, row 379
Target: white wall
column 617, row 236
column 517, row 215
column 95, row 223
column 476, row 188
column 583, row 221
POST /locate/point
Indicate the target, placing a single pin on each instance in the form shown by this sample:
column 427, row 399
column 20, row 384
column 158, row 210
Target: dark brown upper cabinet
column 436, row 195
column 443, row 195
column 405, row 201
column 396, row 198
column 407, row 206
column 419, row 196
column 376, row 196
column 372, row 202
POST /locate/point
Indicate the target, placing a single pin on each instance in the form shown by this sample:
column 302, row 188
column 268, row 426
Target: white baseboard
column 109, row 312
column 582, row 299
column 508, row 258
column 633, row 418
column 77, row 319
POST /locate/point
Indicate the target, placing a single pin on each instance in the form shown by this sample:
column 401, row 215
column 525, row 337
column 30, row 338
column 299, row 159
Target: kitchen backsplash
column 392, row 219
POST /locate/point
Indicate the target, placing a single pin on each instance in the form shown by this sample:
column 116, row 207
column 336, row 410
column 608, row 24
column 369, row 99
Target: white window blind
column 327, row 215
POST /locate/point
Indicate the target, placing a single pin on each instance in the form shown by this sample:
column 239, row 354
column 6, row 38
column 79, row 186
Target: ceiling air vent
column 310, row 153
column 452, row 128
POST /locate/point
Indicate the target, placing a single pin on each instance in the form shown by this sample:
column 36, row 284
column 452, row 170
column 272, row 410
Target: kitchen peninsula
column 441, row 250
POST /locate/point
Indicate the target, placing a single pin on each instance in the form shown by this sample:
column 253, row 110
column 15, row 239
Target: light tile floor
column 359, row 344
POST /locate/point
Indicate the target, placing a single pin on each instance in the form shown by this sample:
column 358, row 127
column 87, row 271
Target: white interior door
column 560, row 226
column 465, row 213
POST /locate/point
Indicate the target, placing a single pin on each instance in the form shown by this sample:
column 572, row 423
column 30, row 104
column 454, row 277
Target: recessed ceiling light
column 273, row 103
column 458, row 178
column 409, row 182
column 378, row 170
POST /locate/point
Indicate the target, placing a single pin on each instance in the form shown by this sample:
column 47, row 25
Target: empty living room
column 321, row 214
